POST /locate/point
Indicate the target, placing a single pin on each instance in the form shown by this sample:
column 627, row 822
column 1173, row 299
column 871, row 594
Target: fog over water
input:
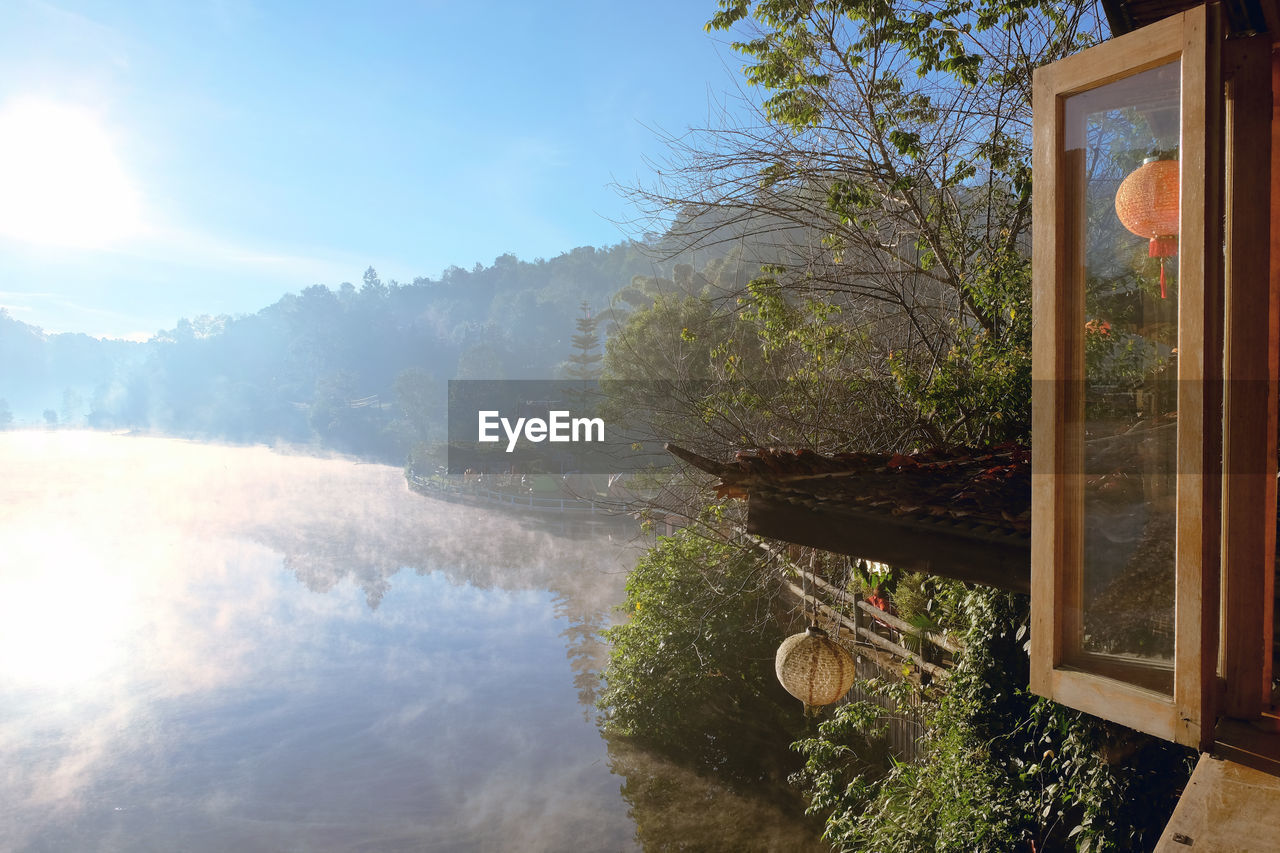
column 207, row 648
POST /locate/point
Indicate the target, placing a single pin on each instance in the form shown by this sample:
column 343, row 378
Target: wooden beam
column 702, row 463
column 908, row 545
column 907, row 628
column 1255, row 744
column 1050, row 256
column 1249, row 447
column 888, row 645
column 1198, row 545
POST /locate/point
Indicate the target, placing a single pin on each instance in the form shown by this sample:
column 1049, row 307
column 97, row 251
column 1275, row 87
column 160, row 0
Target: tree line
column 359, row 369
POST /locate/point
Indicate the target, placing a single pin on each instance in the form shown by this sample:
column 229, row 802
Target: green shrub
column 691, row 672
column 1003, row 768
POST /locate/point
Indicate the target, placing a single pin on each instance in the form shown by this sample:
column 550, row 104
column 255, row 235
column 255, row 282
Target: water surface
column 212, row 648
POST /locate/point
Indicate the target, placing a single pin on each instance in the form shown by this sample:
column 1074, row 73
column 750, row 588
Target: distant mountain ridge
column 353, row 366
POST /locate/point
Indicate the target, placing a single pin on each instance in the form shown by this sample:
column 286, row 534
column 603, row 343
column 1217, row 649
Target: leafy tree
column 373, row 286
column 890, row 172
column 658, row 370
column 346, row 417
column 769, row 367
column 481, row 361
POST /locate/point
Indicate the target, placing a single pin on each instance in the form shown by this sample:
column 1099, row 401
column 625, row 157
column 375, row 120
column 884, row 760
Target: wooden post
column 1249, row 447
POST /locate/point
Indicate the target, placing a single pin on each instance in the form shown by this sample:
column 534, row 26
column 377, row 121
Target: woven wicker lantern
column 814, row 668
column 1147, row 204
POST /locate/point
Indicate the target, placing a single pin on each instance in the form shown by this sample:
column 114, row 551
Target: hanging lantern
column 814, row 668
column 1147, row 204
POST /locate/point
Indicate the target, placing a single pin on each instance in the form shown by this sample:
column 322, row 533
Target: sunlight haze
column 60, row 181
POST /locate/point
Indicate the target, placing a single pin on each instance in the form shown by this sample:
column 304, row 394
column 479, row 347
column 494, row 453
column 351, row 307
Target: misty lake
column 216, row 648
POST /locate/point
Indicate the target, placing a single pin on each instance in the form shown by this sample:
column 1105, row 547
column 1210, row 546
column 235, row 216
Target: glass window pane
column 1121, row 157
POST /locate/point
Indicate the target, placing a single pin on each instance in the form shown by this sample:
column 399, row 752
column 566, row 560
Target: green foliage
column 691, row 671
column 669, row 339
column 978, row 393
column 955, row 801
column 911, row 596
column 807, row 339
column 769, row 367
column 584, row 362
column 1004, row 768
column 422, row 399
column 902, row 135
column 939, row 39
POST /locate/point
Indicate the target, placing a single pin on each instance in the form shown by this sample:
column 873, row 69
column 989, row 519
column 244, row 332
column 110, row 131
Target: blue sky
column 162, row 159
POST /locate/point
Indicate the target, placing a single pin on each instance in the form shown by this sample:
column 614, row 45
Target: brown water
column 211, row 648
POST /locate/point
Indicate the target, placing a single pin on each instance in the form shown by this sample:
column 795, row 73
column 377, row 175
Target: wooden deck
column 1226, row 808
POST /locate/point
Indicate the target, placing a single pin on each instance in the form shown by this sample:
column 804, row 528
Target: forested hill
column 357, row 368
column 50, row 373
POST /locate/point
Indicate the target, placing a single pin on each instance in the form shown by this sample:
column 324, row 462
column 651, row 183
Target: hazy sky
column 162, row 159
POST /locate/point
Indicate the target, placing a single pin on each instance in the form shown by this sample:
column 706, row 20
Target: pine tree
column 584, row 363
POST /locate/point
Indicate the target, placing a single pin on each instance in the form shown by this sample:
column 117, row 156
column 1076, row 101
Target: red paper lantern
column 1147, row 204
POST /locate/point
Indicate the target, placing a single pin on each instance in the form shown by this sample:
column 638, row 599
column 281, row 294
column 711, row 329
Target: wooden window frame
column 1248, row 730
column 1250, row 353
column 1193, row 37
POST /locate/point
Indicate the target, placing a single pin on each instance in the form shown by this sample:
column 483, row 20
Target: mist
column 234, row 647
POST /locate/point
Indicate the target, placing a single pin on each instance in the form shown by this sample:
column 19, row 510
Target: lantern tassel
column 1162, row 247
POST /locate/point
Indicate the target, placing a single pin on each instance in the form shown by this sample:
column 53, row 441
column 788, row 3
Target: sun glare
column 64, row 621
column 61, row 183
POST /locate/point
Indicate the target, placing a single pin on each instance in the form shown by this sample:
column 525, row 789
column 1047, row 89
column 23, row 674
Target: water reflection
column 675, row 807
column 162, row 678
column 170, row 678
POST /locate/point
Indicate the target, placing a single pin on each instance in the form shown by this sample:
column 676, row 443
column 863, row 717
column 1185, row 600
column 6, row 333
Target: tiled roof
column 1243, row 17
column 961, row 513
column 983, row 492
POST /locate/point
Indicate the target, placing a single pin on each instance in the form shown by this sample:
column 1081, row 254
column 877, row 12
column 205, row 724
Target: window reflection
column 1127, row 270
